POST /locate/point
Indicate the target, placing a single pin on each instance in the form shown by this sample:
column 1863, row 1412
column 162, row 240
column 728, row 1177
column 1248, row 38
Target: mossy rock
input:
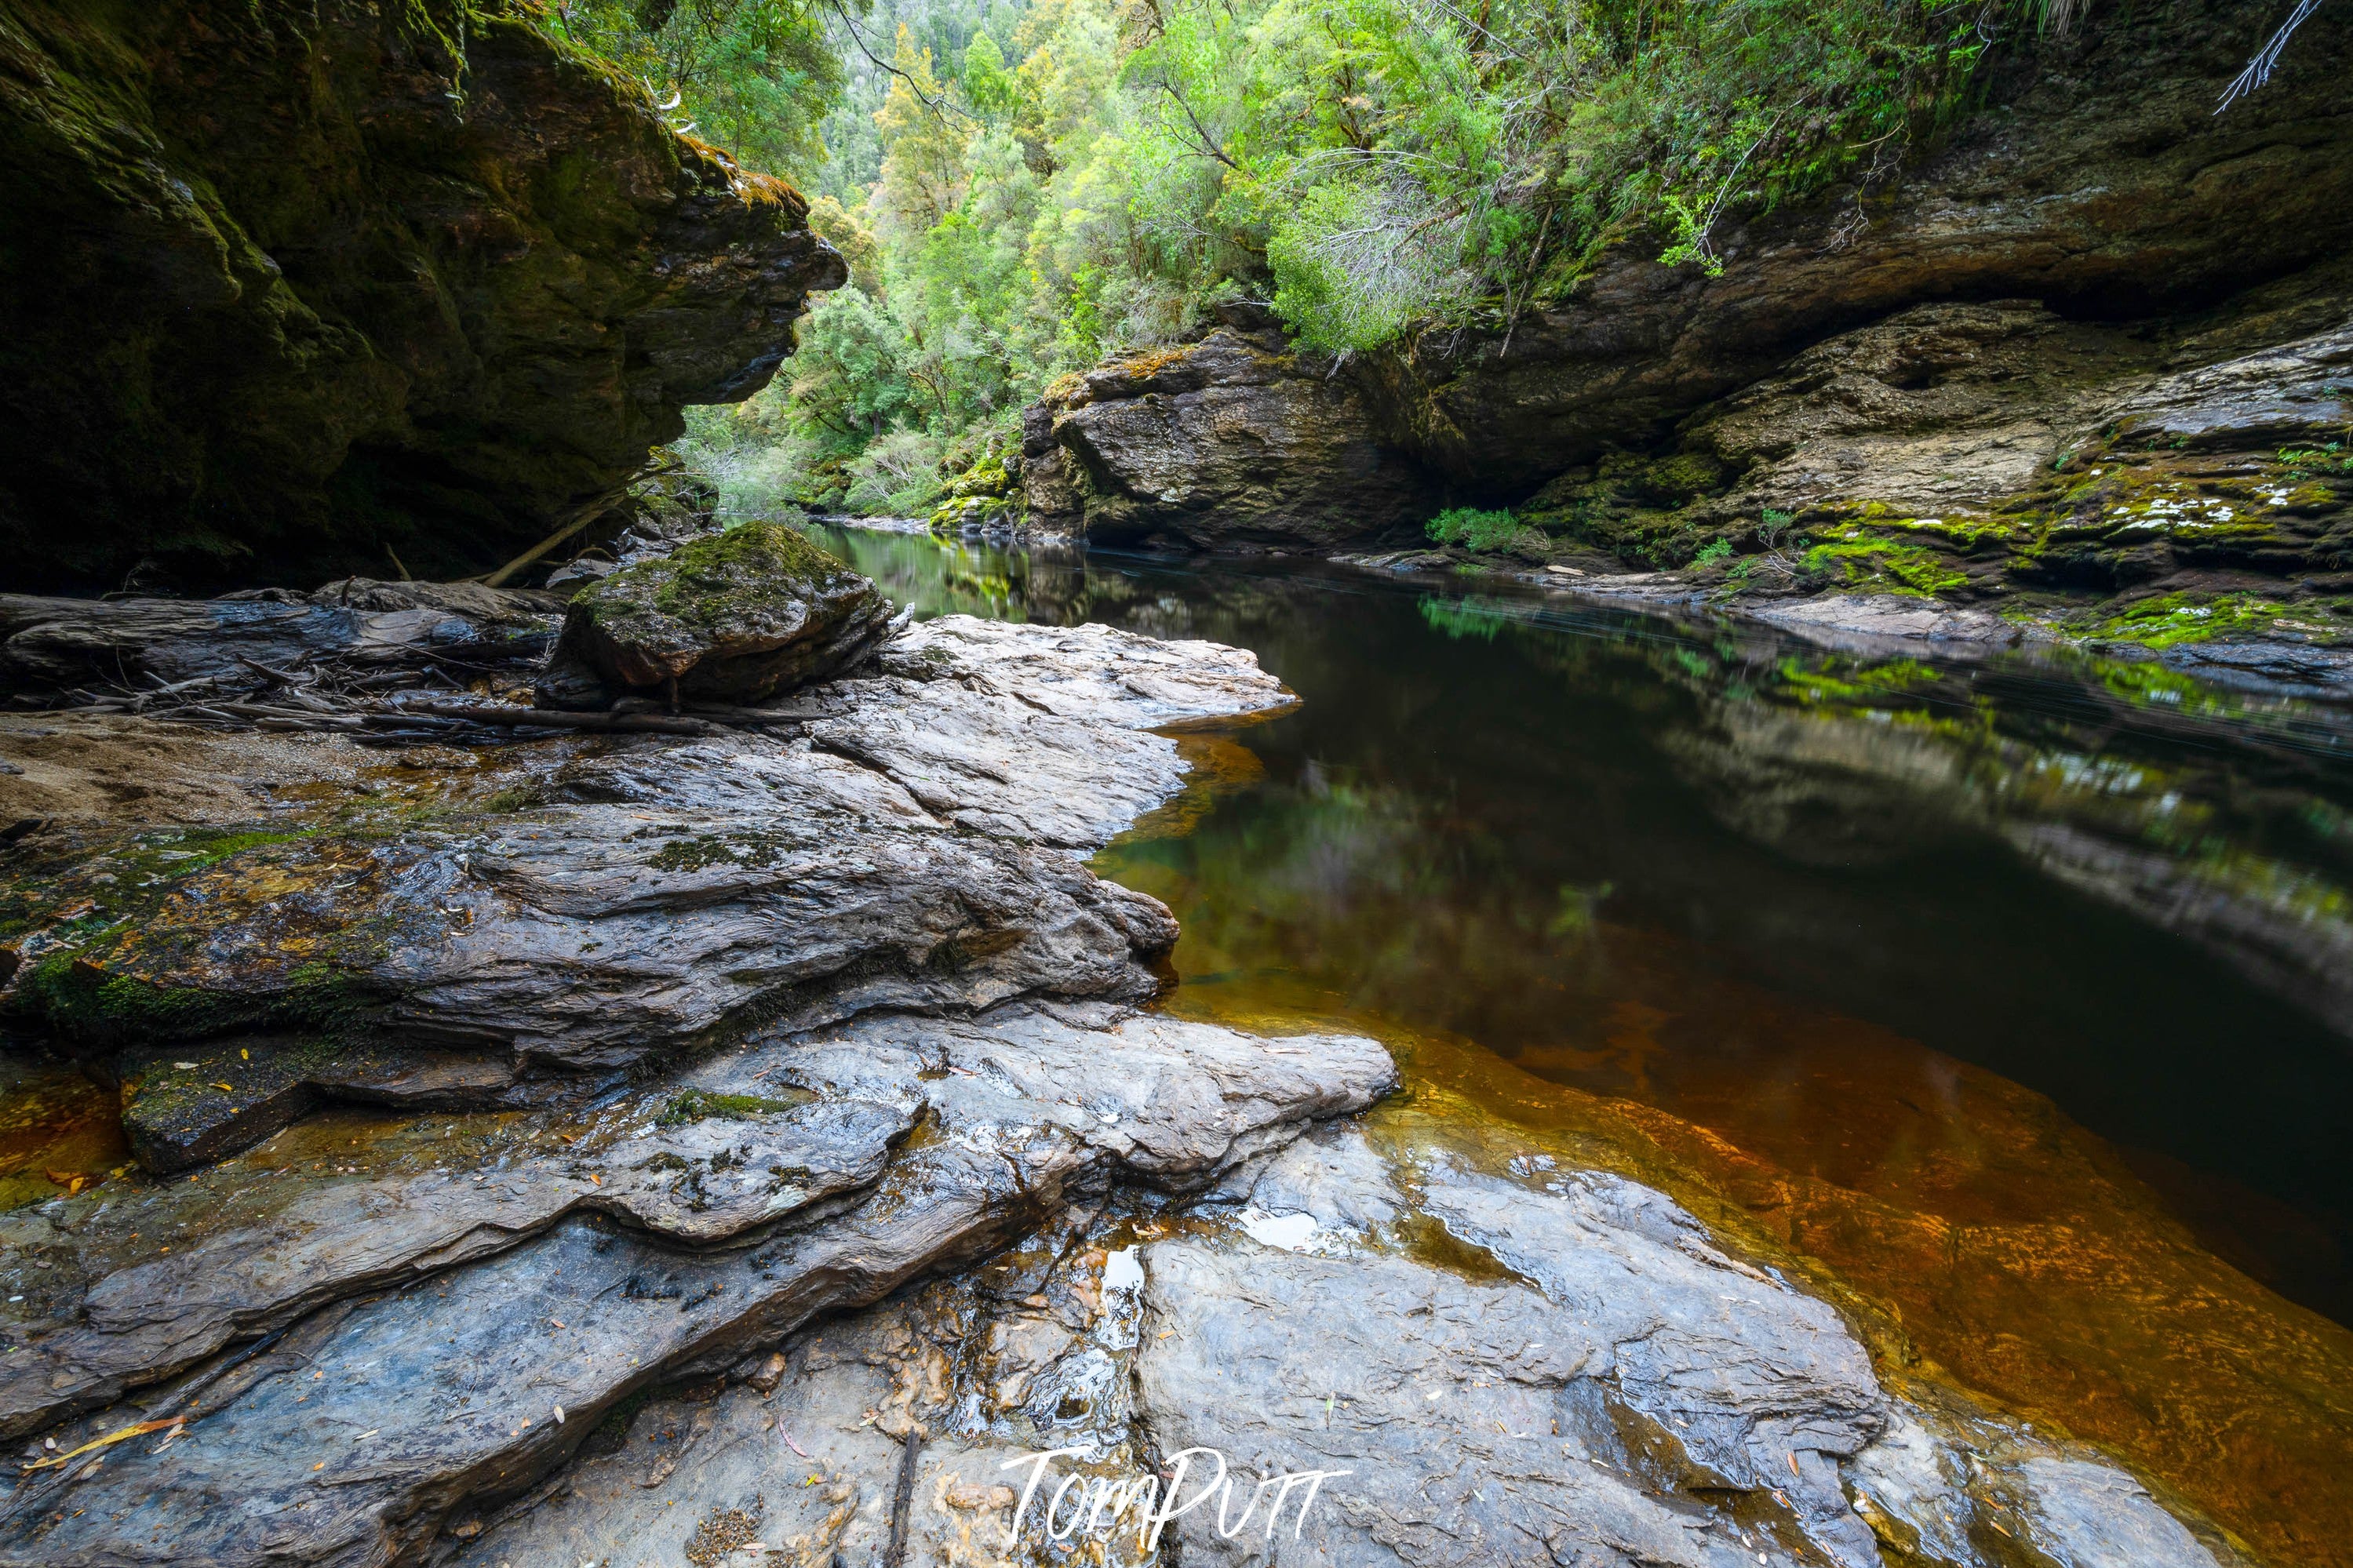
column 736, row 616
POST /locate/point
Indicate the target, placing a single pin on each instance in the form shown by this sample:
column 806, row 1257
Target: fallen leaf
column 226, row 1088
column 140, row 1430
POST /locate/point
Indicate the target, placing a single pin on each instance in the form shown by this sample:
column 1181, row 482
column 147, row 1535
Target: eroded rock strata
column 2080, row 369
column 293, row 289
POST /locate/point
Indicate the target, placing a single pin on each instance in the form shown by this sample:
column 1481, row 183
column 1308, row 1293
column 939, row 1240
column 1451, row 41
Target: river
column 2016, row 993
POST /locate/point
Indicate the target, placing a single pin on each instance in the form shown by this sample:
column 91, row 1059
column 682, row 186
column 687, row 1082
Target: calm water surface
column 1791, row 895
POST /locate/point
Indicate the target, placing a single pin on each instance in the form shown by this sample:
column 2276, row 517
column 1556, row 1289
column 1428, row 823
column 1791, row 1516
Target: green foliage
column 752, row 76
column 1714, row 551
column 1474, row 529
column 1022, row 186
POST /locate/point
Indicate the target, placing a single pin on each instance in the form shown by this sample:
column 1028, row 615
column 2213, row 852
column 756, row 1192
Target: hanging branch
column 1209, row 145
column 938, row 106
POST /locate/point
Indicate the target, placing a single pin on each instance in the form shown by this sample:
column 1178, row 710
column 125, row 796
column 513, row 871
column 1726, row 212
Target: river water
column 1661, row 859
column 2017, row 994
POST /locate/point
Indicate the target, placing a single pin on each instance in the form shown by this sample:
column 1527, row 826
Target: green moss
column 2174, row 618
column 704, row 850
column 84, row 1001
column 699, row 1105
column 716, row 581
column 1858, row 560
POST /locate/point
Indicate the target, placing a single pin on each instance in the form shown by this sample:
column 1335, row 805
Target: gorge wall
column 2110, row 219
column 289, row 288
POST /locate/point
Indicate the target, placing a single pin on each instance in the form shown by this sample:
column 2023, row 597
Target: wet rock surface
column 736, row 616
column 450, row 1393
column 1354, row 1303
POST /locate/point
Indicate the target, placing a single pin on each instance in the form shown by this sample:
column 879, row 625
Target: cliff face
column 2100, row 188
column 286, row 285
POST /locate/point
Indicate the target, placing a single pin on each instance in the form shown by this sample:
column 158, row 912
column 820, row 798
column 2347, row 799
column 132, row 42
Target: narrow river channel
column 2016, row 993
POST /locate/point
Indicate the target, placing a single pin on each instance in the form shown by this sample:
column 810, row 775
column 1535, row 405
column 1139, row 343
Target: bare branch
column 2259, row 69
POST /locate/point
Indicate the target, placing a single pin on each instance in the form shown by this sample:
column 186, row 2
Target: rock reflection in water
column 2019, row 993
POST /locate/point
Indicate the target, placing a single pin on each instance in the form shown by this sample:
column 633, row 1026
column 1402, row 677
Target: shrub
column 1474, row 529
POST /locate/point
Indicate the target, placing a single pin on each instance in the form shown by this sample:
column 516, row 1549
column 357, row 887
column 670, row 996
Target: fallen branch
column 558, row 719
column 722, row 713
column 141, row 1429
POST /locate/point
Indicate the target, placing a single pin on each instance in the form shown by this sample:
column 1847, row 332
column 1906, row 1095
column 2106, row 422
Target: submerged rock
column 1580, row 1373
column 736, row 616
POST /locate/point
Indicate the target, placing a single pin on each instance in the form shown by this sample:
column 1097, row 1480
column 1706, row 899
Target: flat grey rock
column 48, row 644
column 408, row 1407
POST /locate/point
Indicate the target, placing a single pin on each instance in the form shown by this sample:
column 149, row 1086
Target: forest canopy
column 1022, row 186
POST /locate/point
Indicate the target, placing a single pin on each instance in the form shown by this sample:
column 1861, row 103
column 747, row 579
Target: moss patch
column 699, row 1105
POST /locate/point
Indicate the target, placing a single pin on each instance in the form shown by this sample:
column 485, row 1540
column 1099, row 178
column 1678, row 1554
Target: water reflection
column 1857, row 947
column 1665, row 861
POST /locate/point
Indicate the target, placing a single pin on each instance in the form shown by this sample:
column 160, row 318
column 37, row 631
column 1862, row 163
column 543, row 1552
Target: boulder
column 736, row 616
column 1230, row 440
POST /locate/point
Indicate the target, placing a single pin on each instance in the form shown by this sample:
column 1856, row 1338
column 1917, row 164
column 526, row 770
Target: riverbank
column 651, row 1056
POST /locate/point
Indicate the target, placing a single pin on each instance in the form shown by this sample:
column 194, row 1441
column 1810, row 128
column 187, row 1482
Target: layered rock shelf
column 744, row 1145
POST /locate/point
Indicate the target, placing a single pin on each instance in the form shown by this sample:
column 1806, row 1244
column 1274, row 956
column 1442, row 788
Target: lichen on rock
column 736, row 616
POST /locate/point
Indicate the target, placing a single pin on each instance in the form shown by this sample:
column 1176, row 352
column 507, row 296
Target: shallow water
column 2019, row 995
column 1726, row 873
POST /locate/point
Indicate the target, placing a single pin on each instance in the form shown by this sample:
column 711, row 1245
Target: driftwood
column 559, row 719
column 722, row 712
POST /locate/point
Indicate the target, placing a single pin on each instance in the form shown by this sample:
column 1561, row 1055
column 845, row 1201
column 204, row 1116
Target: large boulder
column 290, row 287
column 733, row 617
column 1230, row 440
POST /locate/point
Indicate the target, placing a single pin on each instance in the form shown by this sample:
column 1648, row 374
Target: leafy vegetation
column 1474, row 529
column 1021, row 187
